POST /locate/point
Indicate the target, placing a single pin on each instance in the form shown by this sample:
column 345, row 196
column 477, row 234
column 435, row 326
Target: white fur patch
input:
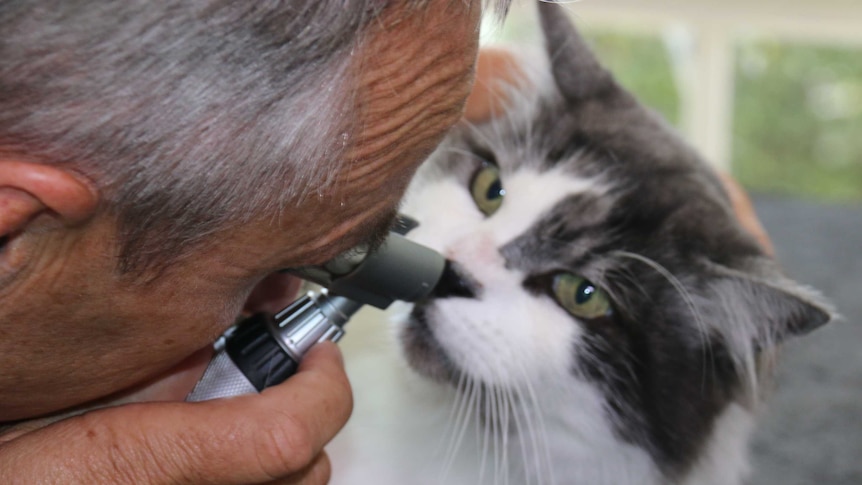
column 506, row 335
column 447, row 214
column 725, row 460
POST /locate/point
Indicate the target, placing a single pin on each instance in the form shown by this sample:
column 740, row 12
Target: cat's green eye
column 580, row 297
column 487, row 190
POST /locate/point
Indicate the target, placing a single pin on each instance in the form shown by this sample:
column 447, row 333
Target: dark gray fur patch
column 564, row 236
column 423, row 351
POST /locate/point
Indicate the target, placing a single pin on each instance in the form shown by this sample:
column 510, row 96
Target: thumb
column 246, row 439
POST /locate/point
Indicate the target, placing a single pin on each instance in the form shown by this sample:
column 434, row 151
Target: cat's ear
column 577, row 71
column 770, row 310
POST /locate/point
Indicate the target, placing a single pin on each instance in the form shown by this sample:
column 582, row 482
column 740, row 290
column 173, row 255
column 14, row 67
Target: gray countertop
column 811, row 430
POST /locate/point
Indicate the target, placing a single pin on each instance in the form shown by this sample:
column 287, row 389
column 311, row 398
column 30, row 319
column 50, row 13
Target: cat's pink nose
column 476, row 249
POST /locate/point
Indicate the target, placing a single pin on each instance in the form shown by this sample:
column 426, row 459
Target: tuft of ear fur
column 754, row 316
column 577, row 71
column 768, row 311
column 782, row 311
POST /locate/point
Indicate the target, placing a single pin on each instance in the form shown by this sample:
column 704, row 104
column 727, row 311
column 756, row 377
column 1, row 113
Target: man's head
column 187, row 116
column 158, row 159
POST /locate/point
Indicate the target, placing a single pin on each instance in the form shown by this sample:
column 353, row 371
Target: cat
column 606, row 320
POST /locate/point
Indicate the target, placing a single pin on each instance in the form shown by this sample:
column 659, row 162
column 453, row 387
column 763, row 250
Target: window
column 771, row 91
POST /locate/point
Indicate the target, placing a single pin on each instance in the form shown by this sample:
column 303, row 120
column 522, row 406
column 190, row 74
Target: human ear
column 29, row 190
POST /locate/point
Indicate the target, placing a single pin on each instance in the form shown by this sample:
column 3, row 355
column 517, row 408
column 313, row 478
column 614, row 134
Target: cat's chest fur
column 408, row 430
column 394, row 434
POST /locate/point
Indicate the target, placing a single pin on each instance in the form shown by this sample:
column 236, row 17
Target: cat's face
column 594, row 250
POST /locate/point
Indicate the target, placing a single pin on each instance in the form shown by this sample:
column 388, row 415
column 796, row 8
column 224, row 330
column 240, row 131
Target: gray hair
column 190, row 115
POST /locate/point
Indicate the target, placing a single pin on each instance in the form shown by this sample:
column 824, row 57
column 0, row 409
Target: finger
column 496, row 69
column 318, row 473
column 246, row 439
column 744, row 210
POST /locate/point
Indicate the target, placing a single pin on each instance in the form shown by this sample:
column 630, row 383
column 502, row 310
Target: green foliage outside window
column 641, row 64
column 797, row 114
column 798, row 119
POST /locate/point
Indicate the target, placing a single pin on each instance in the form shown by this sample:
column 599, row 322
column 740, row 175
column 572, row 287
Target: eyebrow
column 380, row 229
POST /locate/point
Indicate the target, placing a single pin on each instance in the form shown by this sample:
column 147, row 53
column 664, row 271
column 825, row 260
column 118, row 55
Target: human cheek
column 191, row 305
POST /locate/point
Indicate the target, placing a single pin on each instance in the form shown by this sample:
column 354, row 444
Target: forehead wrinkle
column 413, row 91
column 379, row 228
column 405, row 107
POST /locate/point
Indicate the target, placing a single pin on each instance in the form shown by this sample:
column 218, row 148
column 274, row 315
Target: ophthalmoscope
column 264, row 350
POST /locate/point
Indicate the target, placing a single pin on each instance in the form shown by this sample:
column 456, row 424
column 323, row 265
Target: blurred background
column 770, row 91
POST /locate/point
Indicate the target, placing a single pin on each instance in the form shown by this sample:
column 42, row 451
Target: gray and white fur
column 663, row 389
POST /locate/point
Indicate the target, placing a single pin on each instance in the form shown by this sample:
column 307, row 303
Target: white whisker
column 703, row 331
column 543, row 432
column 451, row 419
column 461, row 426
column 493, row 421
column 478, row 133
column 486, row 438
column 530, row 425
column 504, row 425
column 521, row 433
column 463, row 152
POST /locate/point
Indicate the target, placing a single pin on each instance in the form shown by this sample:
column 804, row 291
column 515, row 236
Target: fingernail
column 332, row 348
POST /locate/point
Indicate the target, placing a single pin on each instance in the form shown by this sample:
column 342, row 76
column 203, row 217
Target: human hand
column 497, row 67
column 82, row 321
column 276, row 436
